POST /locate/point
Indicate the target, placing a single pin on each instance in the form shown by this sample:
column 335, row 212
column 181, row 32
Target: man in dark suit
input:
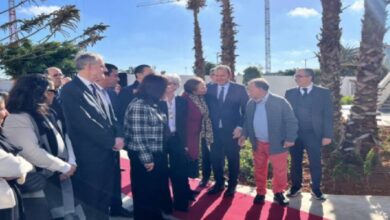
column 109, row 97
column 312, row 106
column 55, row 74
column 127, row 93
column 110, row 80
column 94, row 137
column 227, row 101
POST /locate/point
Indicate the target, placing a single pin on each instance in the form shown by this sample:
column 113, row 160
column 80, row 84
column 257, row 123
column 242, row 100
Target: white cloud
column 357, row 6
column 181, row 3
column 37, row 10
column 303, row 12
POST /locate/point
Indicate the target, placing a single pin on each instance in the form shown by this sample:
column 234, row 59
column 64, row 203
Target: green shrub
column 370, row 162
column 347, row 166
column 246, row 164
column 346, row 100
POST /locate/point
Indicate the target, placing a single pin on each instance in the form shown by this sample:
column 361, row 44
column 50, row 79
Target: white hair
column 174, row 78
column 84, row 58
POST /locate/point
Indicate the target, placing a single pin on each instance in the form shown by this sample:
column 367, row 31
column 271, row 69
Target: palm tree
column 199, row 66
column 361, row 131
column 228, row 31
column 329, row 57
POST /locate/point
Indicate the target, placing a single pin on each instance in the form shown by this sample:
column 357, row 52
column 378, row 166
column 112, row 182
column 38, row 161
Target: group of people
column 60, row 143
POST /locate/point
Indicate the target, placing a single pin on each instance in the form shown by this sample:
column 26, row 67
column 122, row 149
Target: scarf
column 206, row 130
column 7, row 146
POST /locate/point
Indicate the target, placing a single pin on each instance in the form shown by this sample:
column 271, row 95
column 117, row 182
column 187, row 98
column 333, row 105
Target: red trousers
column 279, row 167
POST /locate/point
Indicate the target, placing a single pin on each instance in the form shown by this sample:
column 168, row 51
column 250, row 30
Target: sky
column 162, row 35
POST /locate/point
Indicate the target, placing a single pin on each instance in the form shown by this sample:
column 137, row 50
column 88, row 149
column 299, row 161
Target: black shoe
column 194, row 192
column 293, row 192
column 215, row 189
column 280, row 199
column 259, row 199
column 192, row 195
column 230, row 192
column 318, row 195
column 121, row 213
column 203, row 183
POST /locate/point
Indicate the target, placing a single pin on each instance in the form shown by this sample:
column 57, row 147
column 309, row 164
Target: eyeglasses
column 300, row 76
column 58, row 75
column 52, row 90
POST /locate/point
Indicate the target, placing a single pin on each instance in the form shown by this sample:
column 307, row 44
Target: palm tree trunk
column 199, row 60
column 329, row 58
column 228, row 56
column 361, row 130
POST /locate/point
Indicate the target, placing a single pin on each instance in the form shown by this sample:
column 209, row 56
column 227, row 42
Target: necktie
column 304, row 91
column 98, row 98
column 220, row 95
column 220, row 103
column 93, row 90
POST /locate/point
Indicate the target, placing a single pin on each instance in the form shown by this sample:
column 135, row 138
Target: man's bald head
column 55, row 74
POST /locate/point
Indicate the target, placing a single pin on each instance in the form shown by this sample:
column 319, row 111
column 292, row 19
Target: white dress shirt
column 171, row 114
column 309, row 88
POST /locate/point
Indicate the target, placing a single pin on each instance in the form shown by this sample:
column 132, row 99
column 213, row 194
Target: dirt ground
column 378, row 183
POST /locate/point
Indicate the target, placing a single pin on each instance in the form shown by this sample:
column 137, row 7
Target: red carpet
column 215, row 207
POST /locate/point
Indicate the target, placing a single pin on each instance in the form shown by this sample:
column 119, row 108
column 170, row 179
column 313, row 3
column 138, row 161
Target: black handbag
column 35, row 181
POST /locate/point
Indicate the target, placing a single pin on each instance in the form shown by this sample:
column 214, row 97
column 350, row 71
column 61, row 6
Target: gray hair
column 260, row 83
column 174, row 78
column 223, row 67
column 85, row 58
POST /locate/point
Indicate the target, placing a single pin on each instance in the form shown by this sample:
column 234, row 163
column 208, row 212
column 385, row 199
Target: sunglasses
column 52, row 90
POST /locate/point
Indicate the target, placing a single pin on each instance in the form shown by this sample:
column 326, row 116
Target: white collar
column 85, row 81
column 309, row 88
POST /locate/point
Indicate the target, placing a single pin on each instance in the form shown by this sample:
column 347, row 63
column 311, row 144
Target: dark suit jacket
column 114, row 100
column 90, row 131
column 322, row 109
column 56, row 106
column 124, row 98
column 233, row 109
column 181, row 117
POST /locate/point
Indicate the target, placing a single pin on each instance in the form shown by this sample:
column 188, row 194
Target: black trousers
column 309, row 141
column 36, row 208
column 116, row 197
column 225, row 146
column 150, row 190
column 178, row 165
column 8, row 214
column 14, row 213
column 93, row 189
column 206, row 163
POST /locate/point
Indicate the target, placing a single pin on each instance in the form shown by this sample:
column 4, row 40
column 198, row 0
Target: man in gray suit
column 271, row 127
column 313, row 108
